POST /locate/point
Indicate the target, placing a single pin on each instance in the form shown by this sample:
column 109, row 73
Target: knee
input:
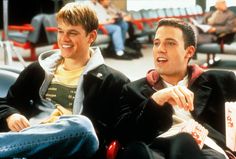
column 117, row 29
column 85, row 138
column 78, row 123
column 91, row 142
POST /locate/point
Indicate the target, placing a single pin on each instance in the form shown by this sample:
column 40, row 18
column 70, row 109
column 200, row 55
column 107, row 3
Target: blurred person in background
column 222, row 22
column 123, row 18
column 117, row 31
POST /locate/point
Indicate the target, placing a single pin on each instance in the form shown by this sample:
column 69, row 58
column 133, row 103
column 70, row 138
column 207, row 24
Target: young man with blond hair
column 73, row 85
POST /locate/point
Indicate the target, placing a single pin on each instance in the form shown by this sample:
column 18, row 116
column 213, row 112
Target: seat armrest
column 103, row 29
column 51, row 29
column 26, row 27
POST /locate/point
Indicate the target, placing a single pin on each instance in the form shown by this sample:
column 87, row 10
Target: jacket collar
column 154, row 80
column 201, row 90
column 49, row 60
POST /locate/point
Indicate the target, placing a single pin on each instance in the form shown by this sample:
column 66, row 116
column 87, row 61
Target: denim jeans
column 118, row 34
column 69, row 137
column 124, row 28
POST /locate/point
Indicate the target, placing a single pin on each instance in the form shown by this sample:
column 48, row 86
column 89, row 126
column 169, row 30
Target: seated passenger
column 122, row 19
column 222, row 22
column 117, row 31
column 179, row 90
column 73, row 85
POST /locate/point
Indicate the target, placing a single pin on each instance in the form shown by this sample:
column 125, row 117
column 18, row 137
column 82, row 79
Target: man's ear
column 190, row 51
column 92, row 36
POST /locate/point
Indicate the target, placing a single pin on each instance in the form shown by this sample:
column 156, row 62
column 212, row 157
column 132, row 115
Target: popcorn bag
column 198, row 132
column 230, row 125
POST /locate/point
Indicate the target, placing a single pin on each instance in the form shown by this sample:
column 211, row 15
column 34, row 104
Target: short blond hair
column 78, row 14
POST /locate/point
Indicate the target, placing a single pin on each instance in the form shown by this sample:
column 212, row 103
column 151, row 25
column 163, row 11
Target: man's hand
column 212, row 30
column 17, row 122
column 177, row 95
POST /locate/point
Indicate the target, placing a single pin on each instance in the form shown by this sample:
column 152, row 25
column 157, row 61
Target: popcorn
column 230, row 125
column 198, row 132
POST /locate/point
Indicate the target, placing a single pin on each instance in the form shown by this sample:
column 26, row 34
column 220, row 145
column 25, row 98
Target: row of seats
column 43, row 28
column 28, row 36
column 146, row 20
column 41, row 31
column 226, row 44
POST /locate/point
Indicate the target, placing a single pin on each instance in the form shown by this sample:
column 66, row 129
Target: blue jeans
column 118, row 34
column 124, row 28
column 69, row 137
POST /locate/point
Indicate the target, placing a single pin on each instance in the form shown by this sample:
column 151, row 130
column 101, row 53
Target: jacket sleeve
column 21, row 95
column 5, row 111
column 227, row 83
column 140, row 118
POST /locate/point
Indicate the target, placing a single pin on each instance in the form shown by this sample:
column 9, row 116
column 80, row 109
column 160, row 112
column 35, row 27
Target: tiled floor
column 136, row 68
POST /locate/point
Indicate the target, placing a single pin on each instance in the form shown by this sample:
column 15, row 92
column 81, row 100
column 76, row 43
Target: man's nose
column 161, row 48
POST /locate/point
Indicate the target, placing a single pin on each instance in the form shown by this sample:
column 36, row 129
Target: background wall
column 149, row 4
column 120, row 4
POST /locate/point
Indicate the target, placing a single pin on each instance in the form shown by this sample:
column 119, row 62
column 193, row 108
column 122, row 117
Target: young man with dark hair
column 179, row 90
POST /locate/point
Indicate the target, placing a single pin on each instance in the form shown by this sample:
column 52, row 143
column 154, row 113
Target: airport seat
column 226, row 43
column 28, row 36
column 148, row 22
column 161, row 12
column 169, row 12
column 8, row 76
column 50, row 27
column 154, row 17
column 176, row 12
column 138, row 24
column 183, row 14
column 103, row 39
column 112, row 150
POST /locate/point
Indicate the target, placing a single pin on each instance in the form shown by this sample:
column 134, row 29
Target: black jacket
column 211, row 90
column 102, row 87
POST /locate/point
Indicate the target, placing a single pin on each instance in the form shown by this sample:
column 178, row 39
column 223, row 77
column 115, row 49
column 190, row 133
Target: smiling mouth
column 161, row 59
column 66, row 46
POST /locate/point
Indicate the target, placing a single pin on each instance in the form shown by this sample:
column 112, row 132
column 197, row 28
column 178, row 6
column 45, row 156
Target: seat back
column 7, row 79
column 176, row 12
column 161, row 12
column 50, row 21
column 36, row 22
column 169, row 12
column 183, row 12
column 137, row 22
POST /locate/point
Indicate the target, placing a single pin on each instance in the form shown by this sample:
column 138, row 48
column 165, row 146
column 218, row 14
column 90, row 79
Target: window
column 153, row 4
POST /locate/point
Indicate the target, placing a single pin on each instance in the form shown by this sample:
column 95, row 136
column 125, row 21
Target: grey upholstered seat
column 216, row 48
column 28, row 36
column 31, row 36
column 50, row 21
column 7, row 78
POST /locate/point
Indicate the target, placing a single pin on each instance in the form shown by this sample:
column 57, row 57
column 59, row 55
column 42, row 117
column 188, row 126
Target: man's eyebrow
column 71, row 30
column 168, row 39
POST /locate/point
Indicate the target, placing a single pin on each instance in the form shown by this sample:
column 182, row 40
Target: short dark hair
column 188, row 31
